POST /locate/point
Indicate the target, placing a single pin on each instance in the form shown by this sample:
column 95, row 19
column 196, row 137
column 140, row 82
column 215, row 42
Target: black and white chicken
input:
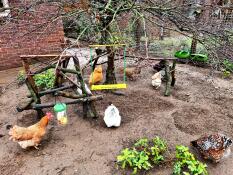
column 214, row 147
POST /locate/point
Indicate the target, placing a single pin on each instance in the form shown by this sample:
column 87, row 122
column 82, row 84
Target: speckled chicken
column 214, row 147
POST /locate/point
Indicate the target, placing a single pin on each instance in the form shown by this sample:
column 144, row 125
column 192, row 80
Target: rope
column 92, row 68
column 124, row 64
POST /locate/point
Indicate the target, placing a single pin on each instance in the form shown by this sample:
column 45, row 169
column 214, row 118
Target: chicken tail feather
column 194, row 144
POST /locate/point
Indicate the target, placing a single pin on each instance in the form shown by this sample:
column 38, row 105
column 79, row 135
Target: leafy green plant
column 142, row 142
column 134, row 159
column 45, row 80
column 143, row 154
column 21, row 77
column 158, row 148
column 226, row 73
column 228, row 66
column 187, row 164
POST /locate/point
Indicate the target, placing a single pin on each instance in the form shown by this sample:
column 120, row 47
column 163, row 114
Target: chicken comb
column 49, row 115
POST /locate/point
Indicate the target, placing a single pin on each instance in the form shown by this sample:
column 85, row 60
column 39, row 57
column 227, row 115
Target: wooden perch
column 69, row 95
column 148, row 58
column 81, row 100
column 50, row 91
column 46, row 56
column 24, row 106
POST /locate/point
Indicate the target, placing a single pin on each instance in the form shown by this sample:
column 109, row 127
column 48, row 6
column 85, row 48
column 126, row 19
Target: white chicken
column 112, row 116
column 156, row 80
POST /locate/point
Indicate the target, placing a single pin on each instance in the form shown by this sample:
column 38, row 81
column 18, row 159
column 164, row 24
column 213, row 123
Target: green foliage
column 142, row 155
column 187, row 164
column 228, row 66
column 79, row 26
column 142, row 142
column 157, row 150
column 21, row 77
column 45, row 80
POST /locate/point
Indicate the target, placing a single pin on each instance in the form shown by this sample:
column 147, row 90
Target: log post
column 168, row 79
column 88, row 107
column 32, row 86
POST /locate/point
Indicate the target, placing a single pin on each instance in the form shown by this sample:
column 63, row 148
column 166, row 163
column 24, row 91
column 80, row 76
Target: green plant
column 226, row 73
column 142, row 142
column 143, row 154
column 21, row 77
column 45, row 80
column 187, row 164
column 134, row 159
column 228, row 66
column 158, row 148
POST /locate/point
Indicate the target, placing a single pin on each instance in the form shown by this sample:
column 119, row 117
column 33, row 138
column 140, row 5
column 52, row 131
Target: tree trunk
column 138, row 33
column 110, row 73
column 194, row 44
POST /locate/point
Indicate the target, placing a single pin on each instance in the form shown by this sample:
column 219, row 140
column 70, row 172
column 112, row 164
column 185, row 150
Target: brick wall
column 37, row 30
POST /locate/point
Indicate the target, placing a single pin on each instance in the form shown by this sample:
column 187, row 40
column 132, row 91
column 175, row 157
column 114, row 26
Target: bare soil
column 199, row 104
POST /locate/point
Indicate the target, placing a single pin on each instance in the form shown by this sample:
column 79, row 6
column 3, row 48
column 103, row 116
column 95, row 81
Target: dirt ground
column 198, row 105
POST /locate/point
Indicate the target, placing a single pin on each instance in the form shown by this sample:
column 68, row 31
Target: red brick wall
column 33, row 31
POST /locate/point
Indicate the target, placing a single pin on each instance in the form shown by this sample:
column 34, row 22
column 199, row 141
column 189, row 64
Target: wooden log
column 35, row 98
column 168, row 79
column 149, row 58
column 50, row 91
column 32, row 86
column 24, row 106
column 69, row 95
column 68, row 78
column 45, row 56
column 29, row 76
column 88, row 107
column 81, row 100
column 44, row 69
column 58, row 76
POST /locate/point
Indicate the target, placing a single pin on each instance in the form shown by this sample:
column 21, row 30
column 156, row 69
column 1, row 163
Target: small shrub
column 187, row 164
column 142, row 155
column 21, row 77
column 228, row 66
column 45, row 80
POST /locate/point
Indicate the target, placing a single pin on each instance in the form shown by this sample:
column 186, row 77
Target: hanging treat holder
column 119, row 69
column 61, row 114
column 59, row 63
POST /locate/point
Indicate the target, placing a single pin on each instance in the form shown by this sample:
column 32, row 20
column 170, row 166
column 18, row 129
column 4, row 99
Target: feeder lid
column 59, row 107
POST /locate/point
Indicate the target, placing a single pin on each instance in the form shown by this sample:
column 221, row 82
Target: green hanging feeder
column 182, row 54
column 199, row 58
column 60, row 110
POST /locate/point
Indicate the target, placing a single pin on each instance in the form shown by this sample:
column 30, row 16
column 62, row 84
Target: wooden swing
column 108, row 86
column 60, row 67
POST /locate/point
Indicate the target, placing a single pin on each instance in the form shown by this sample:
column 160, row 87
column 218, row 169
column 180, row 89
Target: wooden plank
column 45, row 56
column 81, row 100
column 109, row 86
column 144, row 58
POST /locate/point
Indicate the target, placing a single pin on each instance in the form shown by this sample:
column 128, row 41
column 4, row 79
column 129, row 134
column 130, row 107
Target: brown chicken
column 30, row 136
column 96, row 76
column 131, row 72
column 214, row 147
